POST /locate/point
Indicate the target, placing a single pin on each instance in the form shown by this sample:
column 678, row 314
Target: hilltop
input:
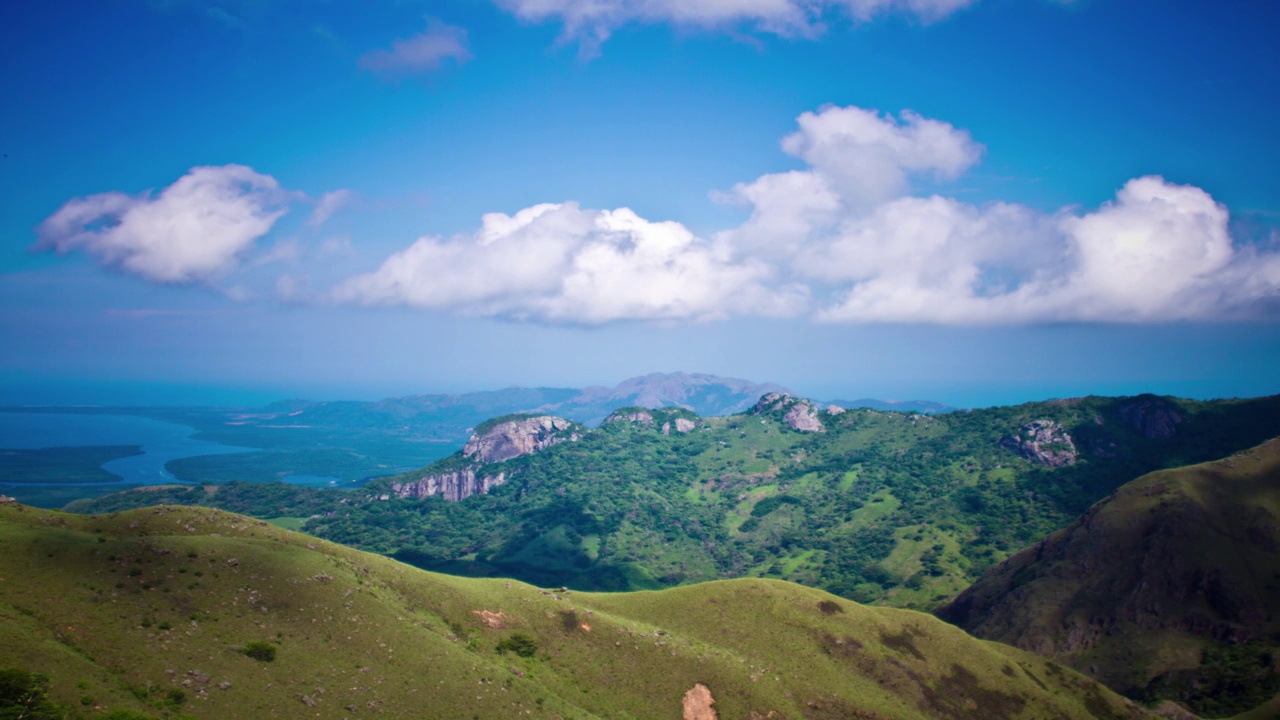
column 199, row 613
column 1169, row 588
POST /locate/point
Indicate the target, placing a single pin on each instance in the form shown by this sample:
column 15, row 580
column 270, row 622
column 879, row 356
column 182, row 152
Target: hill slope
column 1170, row 588
column 175, row 611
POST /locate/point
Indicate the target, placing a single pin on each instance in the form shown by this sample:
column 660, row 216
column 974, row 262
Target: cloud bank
column 560, row 263
column 191, row 230
column 844, row 240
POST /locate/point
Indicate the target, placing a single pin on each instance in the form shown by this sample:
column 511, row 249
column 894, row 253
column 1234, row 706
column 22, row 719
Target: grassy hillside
column 891, row 508
column 177, row 612
column 1170, row 588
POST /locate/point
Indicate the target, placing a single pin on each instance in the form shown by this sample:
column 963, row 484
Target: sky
column 971, row 201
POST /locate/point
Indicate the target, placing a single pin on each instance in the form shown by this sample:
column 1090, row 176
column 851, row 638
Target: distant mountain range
column 455, row 414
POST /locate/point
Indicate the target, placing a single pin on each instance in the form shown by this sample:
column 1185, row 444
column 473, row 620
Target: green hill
column 1170, row 588
column 194, row 612
column 893, row 508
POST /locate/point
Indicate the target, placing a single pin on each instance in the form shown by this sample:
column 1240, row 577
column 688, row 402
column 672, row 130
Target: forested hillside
column 894, row 508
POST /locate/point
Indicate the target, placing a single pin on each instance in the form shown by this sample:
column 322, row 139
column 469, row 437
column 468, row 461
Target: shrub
column 263, row 651
column 25, row 695
column 520, row 644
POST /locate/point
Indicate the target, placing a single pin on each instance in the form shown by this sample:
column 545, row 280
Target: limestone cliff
column 493, row 442
column 521, row 436
column 456, row 485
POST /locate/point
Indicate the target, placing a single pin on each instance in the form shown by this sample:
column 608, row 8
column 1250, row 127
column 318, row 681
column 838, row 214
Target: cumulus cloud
column 191, row 230
column 1158, row 252
column 561, row 263
column 591, row 22
column 422, row 53
column 869, row 157
column 857, row 159
column 845, row 239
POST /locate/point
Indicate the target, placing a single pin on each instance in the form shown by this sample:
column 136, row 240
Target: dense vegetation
column 173, row 612
column 894, row 508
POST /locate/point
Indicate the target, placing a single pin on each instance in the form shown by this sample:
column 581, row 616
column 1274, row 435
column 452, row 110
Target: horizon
column 143, row 395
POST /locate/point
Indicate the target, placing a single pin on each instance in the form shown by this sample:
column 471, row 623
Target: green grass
column 137, row 608
column 288, row 523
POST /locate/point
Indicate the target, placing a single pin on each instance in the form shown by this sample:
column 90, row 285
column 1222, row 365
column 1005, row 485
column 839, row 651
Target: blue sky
column 975, row 202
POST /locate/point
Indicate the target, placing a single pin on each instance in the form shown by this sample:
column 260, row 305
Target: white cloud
column 869, row 157
column 844, row 240
column 192, row 229
column 1159, row 252
column 560, row 263
column 327, row 205
column 425, row 52
column 591, row 22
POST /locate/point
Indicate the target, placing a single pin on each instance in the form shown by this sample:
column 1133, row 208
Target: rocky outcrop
column 1153, row 417
column 638, row 417
column 493, row 443
column 456, row 485
column 682, row 425
column 803, row 416
column 799, row 414
column 1045, row 442
column 670, row 419
column 513, row 438
column 835, row 410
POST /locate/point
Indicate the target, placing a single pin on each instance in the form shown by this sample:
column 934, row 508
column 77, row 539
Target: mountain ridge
column 1167, row 588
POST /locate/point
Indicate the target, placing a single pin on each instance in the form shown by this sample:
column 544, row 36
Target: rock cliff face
column 495, row 443
column 800, row 414
column 1152, row 417
column 514, row 438
column 1045, row 442
column 1182, row 558
column 682, row 425
column 456, row 485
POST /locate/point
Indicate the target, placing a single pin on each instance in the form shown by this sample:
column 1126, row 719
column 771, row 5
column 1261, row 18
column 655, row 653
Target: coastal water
column 160, row 441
